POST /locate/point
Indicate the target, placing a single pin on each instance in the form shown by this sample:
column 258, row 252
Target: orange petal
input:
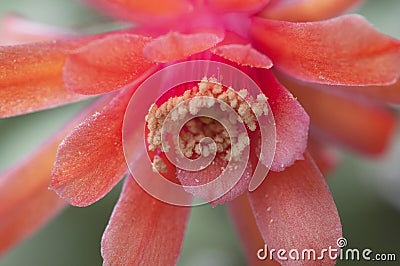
column 294, row 209
column 143, row 230
column 343, row 51
column 25, row 201
column 292, row 122
column 358, row 125
column 31, row 77
column 224, row 190
column 237, row 5
column 90, row 161
column 106, row 64
column 243, row 55
column 19, row 223
column 385, row 94
column 175, row 46
column 307, row 10
column 144, row 12
column 325, row 156
column 246, row 226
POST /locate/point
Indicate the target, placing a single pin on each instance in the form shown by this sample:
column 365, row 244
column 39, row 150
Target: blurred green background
column 367, row 192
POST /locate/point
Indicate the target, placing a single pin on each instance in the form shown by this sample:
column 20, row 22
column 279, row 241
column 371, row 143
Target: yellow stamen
column 247, row 110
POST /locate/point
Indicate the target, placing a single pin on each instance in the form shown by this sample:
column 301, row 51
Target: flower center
column 206, row 111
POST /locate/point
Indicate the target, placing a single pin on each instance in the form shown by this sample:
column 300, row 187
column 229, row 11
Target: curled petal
column 90, row 160
column 148, row 11
column 31, row 77
column 358, row 125
column 343, row 51
column 175, row 46
column 307, row 10
column 294, row 209
column 237, row 5
column 107, row 64
column 243, row 55
column 143, row 230
column 251, row 240
column 292, row 122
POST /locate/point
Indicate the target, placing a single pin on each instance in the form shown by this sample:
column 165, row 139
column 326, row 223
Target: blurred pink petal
column 325, row 156
column 26, row 203
column 18, row 30
column 380, row 94
column 359, row 125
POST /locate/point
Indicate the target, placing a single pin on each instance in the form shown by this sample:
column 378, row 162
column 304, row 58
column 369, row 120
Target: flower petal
column 291, row 120
column 223, row 190
column 31, row 78
column 107, row 64
column 307, row 10
column 28, row 217
column 90, row 161
column 175, row 46
column 18, row 30
column 341, row 51
column 143, row 230
column 294, row 209
column 243, row 55
column 325, row 156
column 358, row 125
column 250, row 236
column 237, row 5
column 25, row 201
column 385, row 94
column 145, row 12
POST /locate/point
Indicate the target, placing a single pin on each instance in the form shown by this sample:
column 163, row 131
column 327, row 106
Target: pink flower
column 330, row 65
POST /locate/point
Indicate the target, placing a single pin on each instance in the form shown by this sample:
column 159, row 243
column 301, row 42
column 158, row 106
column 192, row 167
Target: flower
column 293, row 207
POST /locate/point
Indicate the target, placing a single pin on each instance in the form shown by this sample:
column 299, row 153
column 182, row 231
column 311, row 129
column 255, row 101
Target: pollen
column 158, row 164
column 208, row 93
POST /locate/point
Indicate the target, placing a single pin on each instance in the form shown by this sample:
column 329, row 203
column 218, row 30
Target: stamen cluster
column 206, row 94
